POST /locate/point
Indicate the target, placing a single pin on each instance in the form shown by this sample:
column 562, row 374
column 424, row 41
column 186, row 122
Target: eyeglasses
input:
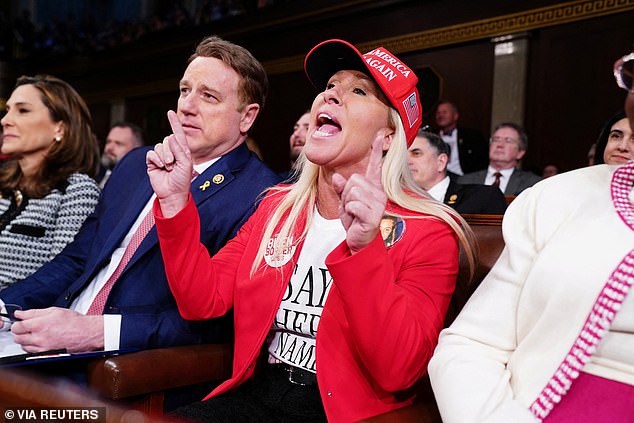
column 500, row 140
column 623, row 71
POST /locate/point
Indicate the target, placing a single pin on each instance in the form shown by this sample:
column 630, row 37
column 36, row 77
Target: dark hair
column 392, row 235
column 136, row 130
column 254, row 83
column 436, row 142
column 76, row 152
column 602, row 141
column 520, row 131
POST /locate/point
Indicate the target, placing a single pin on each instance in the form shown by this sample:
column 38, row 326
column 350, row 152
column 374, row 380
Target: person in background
column 330, row 322
column 297, row 142
column 388, row 227
column 46, row 189
column 549, row 170
column 468, row 146
column 298, row 137
column 122, row 137
column 615, row 144
column 107, row 290
column 507, row 146
column 549, row 334
column 428, row 156
column 591, row 154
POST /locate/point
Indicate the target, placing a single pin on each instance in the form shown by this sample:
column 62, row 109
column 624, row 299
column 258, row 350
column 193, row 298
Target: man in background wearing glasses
column 507, row 146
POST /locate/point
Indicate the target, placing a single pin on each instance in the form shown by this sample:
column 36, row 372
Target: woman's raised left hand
column 362, row 201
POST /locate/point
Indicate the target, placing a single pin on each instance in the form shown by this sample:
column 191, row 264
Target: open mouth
column 326, row 125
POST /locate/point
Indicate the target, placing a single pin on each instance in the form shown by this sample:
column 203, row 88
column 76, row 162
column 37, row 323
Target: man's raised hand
column 169, row 168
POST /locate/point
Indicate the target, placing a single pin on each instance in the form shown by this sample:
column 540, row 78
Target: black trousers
column 267, row 397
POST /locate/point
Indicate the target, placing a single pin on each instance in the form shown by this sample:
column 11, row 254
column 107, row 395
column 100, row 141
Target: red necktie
column 99, row 302
column 496, row 183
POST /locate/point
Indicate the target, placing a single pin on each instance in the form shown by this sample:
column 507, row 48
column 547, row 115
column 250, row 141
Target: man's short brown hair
column 254, row 83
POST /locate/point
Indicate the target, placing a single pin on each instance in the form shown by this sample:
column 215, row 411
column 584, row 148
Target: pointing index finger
column 177, row 128
column 375, row 164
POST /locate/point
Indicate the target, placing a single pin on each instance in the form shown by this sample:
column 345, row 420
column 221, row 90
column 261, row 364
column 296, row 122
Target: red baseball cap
column 396, row 79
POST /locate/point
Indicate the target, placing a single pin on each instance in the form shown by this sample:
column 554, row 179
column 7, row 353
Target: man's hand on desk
column 56, row 328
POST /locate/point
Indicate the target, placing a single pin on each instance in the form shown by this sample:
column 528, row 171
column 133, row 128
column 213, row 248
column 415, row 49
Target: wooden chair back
column 490, row 243
column 144, row 377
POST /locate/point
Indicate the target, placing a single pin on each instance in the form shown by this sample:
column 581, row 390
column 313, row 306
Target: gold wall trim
column 476, row 30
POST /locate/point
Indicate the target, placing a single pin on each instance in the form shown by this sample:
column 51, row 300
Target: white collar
column 201, row 167
column 506, row 173
column 439, row 190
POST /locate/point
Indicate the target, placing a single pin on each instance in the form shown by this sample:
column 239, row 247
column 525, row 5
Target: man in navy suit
column 221, row 93
column 428, row 156
column 507, row 146
column 468, row 146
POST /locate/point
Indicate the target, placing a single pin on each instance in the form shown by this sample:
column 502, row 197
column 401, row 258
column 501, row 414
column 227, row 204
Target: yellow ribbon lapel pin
column 217, row 180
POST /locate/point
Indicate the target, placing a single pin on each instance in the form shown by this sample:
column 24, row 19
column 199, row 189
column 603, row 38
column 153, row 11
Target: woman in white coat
column 549, row 335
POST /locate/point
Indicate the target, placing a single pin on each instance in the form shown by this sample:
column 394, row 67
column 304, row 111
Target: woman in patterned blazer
column 46, row 189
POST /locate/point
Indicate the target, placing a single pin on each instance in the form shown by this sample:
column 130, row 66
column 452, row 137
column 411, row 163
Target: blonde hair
column 399, row 187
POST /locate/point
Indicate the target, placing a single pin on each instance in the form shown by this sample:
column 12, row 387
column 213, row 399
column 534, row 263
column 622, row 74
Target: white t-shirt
column 294, row 330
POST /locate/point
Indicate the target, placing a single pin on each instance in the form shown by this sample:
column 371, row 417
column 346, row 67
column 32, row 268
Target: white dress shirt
column 81, row 304
column 454, row 159
column 439, row 190
column 504, row 179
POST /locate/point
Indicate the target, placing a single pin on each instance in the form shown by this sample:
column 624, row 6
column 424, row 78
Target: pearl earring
column 58, row 139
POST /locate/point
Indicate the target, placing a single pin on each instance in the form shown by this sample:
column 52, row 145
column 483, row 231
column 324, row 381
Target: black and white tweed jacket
column 44, row 227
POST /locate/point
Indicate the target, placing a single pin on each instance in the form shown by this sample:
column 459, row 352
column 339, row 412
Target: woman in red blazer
column 331, row 321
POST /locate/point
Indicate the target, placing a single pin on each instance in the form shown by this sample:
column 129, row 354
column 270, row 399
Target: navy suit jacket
column 475, row 199
column 225, row 195
column 518, row 182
